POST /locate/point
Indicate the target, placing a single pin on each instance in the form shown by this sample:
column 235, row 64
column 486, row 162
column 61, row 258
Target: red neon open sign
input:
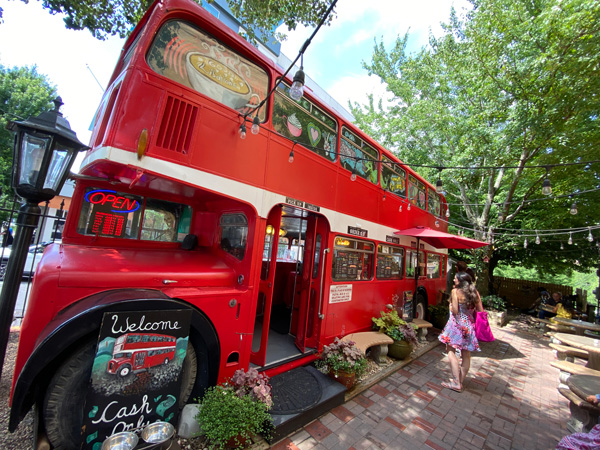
column 119, row 203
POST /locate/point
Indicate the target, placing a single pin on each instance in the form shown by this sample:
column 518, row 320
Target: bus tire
column 63, row 404
column 65, row 399
column 166, row 361
column 420, row 306
column 124, row 370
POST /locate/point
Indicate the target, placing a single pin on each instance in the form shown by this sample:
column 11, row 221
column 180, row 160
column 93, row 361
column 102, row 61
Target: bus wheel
column 421, row 307
column 65, row 399
column 166, row 360
column 189, row 372
column 124, row 370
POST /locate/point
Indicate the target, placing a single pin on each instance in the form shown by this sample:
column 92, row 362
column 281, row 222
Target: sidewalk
column 510, row 401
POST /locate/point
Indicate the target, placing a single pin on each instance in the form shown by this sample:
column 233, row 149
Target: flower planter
column 400, row 349
column 439, row 321
column 497, row 318
column 346, row 378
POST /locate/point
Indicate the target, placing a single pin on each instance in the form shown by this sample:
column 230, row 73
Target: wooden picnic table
column 579, row 325
column 585, row 343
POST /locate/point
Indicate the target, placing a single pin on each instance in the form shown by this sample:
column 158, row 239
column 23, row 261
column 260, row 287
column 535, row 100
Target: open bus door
column 308, row 313
column 267, row 281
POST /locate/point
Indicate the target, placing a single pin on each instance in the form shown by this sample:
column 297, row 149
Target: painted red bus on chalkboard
column 277, row 243
column 133, row 352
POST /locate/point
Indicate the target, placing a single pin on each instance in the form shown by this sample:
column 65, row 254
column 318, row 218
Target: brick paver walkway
column 510, row 401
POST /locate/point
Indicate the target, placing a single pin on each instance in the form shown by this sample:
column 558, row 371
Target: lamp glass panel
column 32, row 156
column 58, row 165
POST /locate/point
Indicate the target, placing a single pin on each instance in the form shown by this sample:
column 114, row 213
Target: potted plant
column 343, row 361
column 232, row 413
column 401, row 332
column 496, row 308
column 439, row 315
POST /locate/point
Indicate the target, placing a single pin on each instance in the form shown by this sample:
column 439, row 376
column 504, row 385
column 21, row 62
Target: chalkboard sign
column 135, row 376
column 407, row 312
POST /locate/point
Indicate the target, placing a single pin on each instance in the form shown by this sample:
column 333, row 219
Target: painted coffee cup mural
column 135, row 377
column 190, row 57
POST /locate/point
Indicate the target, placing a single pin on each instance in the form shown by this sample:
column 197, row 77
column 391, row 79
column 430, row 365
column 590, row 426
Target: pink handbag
column 482, row 327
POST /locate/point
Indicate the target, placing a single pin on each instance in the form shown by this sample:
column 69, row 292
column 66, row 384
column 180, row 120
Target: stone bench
column 584, row 415
column 566, row 353
column 568, row 368
column 423, row 325
column 374, row 340
column 561, row 328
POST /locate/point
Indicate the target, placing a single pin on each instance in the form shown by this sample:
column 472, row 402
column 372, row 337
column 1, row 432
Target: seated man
column 547, row 305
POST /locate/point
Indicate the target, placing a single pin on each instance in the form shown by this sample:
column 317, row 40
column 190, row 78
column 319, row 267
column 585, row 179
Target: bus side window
column 234, row 234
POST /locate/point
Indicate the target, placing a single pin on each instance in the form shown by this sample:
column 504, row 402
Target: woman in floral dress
column 459, row 332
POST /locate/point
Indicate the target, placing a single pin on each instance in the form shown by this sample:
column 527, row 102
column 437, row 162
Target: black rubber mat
column 295, row 391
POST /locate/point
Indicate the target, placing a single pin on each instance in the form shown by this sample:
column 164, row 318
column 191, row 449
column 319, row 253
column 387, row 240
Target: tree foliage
column 512, row 84
column 118, row 17
column 23, row 93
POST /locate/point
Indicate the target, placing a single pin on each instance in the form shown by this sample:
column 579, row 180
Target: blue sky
column 31, row 36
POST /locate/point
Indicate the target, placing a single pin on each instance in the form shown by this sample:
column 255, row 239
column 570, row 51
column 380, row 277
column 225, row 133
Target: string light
column 562, row 246
column 570, row 241
column 573, row 209
column 537, row 238
column 447, row 212
column 408, row 206
column 255, row 125
column 590, row 237
column 439, row 185
column 353, row 176
column 384, row 196
column 437, row 223
column 242, row 131
column 500, row 216
column 546, row 187
column 400, row 208
column 297, row 89
column 291, row 157
column 525, row 243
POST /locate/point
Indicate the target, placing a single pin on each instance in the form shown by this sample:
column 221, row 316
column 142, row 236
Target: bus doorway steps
column 300, row 396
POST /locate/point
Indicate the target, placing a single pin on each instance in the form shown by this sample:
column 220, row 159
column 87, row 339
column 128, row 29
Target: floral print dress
column 459, row 332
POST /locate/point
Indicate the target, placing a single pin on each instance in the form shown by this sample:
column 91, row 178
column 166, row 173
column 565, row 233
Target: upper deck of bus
column 150, row 127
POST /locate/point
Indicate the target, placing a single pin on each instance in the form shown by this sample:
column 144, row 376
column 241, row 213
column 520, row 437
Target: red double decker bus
column 276, row 243
column 134, row 352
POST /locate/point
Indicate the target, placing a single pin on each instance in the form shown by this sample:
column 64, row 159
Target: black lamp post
column 45, row 149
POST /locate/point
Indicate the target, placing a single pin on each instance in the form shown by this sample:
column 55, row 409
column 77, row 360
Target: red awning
column 440, row 239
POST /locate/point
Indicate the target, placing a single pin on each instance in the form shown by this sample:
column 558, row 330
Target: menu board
column 348, row 265
column 385, row 264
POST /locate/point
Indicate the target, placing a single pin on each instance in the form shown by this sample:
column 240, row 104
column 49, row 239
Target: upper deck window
column 416, row 192
column 434, row 204
column 358, row 157
column 393, row 177
column 189, row 56
column 305, row 123
column 109, row 213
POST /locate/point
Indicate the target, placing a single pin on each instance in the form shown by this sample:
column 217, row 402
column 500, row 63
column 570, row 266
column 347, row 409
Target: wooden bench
column 423, row 325
column 566, row 353
column 561, row 329
column 374, row 340
column 584, row 415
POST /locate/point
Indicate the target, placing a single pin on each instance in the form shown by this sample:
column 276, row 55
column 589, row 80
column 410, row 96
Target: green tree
column 118, row 17
column 512, row 84
column 23, row 93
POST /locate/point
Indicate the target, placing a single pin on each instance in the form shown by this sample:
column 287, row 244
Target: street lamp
column 44, row 151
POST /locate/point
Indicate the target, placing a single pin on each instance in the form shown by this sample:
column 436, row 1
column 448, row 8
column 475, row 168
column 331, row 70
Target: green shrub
column 494, row 303
column 391, row 324
column 233, row 413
